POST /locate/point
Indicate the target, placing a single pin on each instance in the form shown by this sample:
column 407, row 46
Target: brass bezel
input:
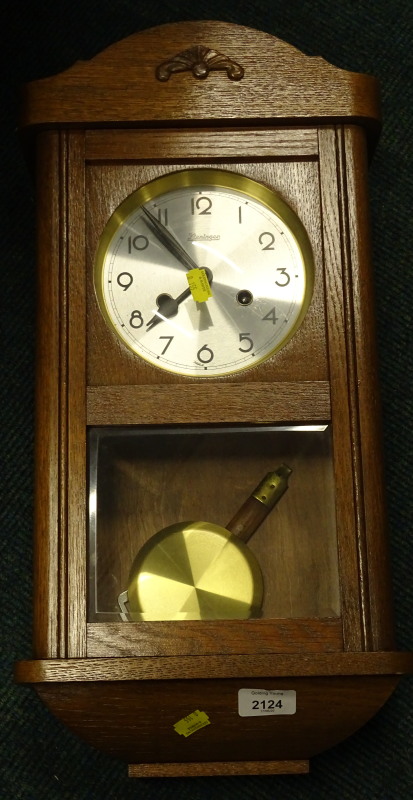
column 225, row 179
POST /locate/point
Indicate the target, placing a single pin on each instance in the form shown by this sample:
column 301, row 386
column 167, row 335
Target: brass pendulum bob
column 199, row 570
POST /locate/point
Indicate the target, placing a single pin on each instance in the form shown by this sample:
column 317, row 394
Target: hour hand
column 167, row 307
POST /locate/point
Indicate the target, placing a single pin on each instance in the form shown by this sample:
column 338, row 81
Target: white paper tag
column 266, row 702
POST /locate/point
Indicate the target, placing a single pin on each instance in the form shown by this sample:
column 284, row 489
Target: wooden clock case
column 252, row 104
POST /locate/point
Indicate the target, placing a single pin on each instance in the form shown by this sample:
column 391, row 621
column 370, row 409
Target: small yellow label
column 193, row 722
column 199, row 285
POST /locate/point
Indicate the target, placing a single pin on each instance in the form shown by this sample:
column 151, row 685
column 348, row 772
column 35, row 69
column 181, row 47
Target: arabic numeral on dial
column 163, row 216
column 246, row 339
column 205, row 354
column 169, row 340
column 136, row 319
column 266, row 240
column 201, row 205
column 139, row 242
column 286, row 278
column 124, row 280
column 271, row 316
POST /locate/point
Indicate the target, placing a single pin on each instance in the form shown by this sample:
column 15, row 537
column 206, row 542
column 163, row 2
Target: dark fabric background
column 39, row 758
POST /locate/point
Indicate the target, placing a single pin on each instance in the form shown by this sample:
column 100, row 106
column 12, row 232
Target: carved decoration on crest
column 200, row 61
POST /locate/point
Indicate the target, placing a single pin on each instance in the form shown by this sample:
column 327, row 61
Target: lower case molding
column 134, row 720
column 130, row 707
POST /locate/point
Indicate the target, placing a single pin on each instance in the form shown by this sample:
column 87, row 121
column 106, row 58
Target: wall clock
column 212, row 592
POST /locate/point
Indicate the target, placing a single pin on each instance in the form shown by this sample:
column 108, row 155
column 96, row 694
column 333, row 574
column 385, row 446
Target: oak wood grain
column 209, row 637
column 76, row 399
column 350, row 266
column 134, row 720
column 214, row 666
column 209, row 144
column 373, row 536
column 334, row 246
column 280, row 84
column 199, row 769
column 259, row 403
column 49, row 509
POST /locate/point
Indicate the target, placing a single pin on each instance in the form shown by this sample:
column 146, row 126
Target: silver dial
column 257, row 266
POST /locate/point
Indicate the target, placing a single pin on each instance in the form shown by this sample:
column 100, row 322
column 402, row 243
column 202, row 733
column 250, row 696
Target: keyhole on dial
column 244, row 297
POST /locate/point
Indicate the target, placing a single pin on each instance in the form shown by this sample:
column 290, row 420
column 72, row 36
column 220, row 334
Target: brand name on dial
column 203, row 237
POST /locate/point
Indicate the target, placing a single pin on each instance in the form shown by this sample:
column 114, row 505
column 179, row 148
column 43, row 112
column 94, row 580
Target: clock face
column 204, row 272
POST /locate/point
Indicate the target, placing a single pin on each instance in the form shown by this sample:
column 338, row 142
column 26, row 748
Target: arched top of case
column 192, row 73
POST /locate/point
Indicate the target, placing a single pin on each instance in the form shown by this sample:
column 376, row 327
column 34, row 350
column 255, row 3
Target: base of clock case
column 133, row 718
column 214, row 768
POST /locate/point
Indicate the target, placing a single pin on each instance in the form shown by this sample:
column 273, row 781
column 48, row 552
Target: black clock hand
column 169, row 241
column 167, row 307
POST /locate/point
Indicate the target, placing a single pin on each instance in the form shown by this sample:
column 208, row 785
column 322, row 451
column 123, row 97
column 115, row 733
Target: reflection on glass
column 180, row 530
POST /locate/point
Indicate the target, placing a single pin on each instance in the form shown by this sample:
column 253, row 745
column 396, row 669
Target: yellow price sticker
column 199, row 284
column 193, row 722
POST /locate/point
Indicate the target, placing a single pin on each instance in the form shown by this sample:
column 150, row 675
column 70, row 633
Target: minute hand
column 168, row 240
